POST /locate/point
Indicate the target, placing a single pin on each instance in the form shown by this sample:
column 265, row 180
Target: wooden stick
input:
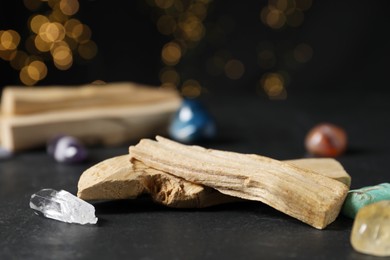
column 24, row 100
column 300, row 193
column 116, row 178
column 109, row 122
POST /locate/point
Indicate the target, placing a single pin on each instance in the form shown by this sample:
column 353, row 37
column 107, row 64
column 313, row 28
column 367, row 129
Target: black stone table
column 140, row 229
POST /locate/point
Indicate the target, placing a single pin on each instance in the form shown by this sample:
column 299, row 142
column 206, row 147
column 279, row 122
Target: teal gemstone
column 356, row 199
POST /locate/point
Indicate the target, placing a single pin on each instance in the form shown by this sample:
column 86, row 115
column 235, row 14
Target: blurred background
column 275, row 49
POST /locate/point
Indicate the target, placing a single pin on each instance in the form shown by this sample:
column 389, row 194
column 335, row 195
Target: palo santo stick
column 92, row 123
column 300, row 193
column 22, row 100
column 325, row 166
column 116, row 178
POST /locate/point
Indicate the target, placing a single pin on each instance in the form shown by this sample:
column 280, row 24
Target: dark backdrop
column 349, row 40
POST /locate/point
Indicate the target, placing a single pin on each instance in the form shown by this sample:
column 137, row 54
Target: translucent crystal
column 371, row 229
column 63, row 206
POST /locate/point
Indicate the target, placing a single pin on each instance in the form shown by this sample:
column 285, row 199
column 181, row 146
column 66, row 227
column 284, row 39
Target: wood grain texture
column 24, row 100
column 116, row 178
column 130, row 112
column 298, row 192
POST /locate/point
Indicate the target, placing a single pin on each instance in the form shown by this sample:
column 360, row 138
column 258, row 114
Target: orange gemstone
column 326, row 140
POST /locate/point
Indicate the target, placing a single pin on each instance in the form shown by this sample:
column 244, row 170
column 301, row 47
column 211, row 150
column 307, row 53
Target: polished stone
column 66, row 149
column 371, row 229
column 63, row 206
column 192, row 123
column 358, row 198
column 326, row 140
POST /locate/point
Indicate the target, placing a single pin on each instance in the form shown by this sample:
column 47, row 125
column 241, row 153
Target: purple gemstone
column 67, row 149
column 4, row 153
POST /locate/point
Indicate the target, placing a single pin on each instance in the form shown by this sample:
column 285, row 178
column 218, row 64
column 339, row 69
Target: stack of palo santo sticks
column 311, row 190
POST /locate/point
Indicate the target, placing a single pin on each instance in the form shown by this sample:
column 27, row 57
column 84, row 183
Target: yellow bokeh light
column 55, row 47
column 171, row 53
column 169, row 75
column 65, row 63
column 57, row 15
column 87, row 50
column 234, row 69
column 62, row 56
column 69, row 7
column 192, row 28
column 37, row 21
column 9, row 40
column 166, row 24
column 273, row 85
column 37, row 70
column 303, row 53
column 52, row 32
column 73, row 28
column 164, row 4
column 274, row 18
column 25, row 77
column 42, row 45
column 191, row 88
column 85, row 33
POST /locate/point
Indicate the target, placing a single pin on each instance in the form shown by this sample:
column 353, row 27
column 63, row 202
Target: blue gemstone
column 192, row 123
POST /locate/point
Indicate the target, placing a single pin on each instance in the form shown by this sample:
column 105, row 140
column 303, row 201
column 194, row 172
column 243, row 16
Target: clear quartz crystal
column 63, row 206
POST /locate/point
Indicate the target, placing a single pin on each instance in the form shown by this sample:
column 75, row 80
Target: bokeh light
column 279, row 13
column 274, row 86
column 54, row 31
column 183, row 21
column 191, row 88
column 169, row 75
column 234, row 69
column 164, row 4
column 37, row 21
column 171, row 53
column 69, row 7
column 9, row 40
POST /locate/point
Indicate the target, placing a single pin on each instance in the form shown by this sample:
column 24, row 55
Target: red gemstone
column 326, row 140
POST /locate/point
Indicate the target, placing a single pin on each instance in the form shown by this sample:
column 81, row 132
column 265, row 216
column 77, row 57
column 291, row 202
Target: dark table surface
column 140, row 229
